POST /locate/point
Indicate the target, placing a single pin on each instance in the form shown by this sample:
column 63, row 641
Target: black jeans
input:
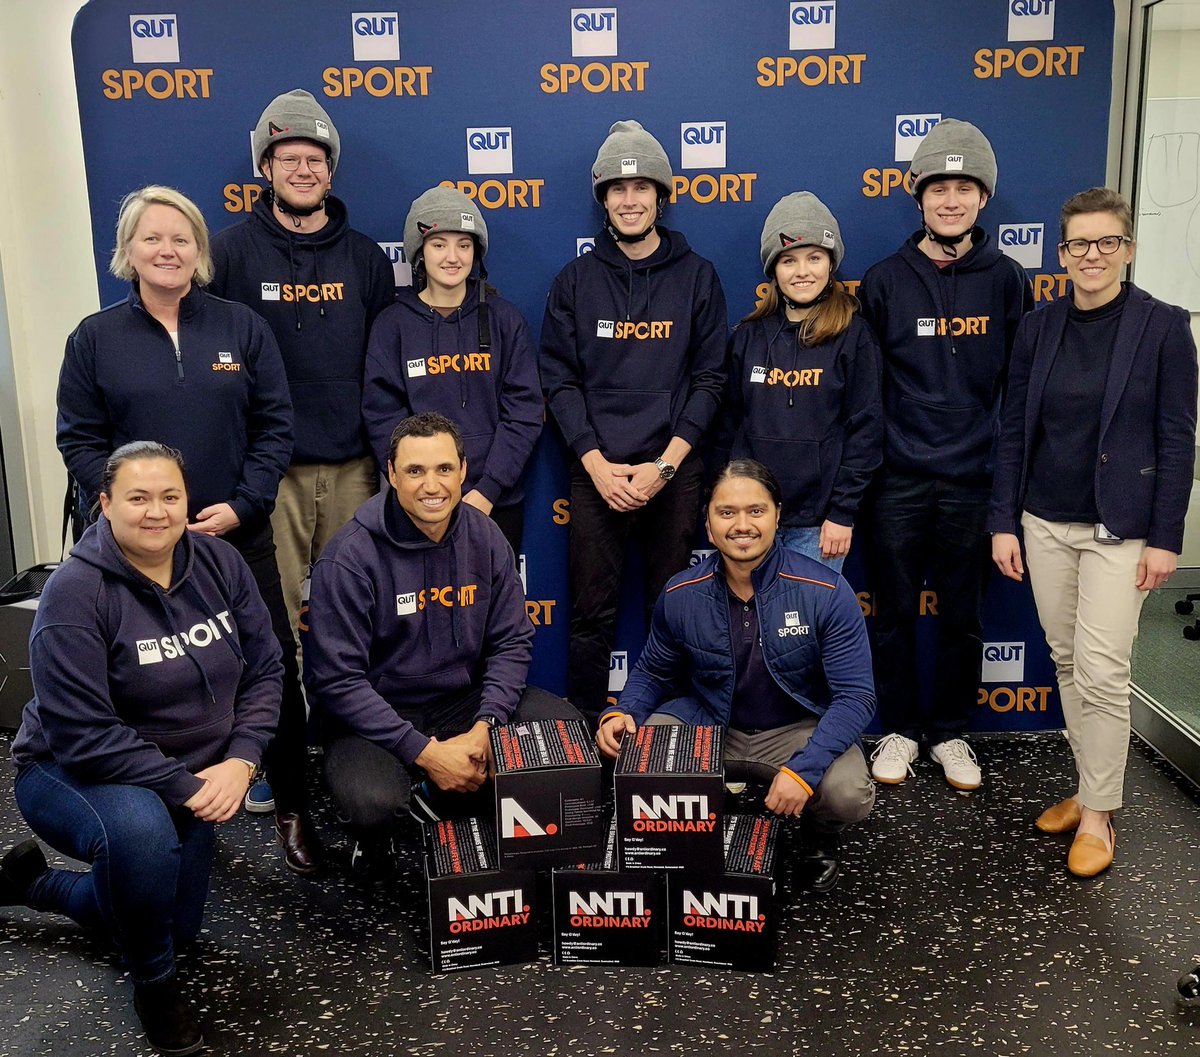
column 923, row 527
column 663, row 529
column 287, row 754
column 511, row 521
column 371, row 787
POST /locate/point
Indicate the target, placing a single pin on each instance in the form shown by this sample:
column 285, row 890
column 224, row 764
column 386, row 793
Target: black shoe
column 23, row 865
column 818, row 864
column 167, row 1017
column 301, row 849
column 374, row 860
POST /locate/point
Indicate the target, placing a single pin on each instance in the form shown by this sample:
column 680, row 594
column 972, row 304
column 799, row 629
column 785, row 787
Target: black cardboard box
column 548, row 794
column 729, row 919
column 607, row 916
column 669, row 789
column 479, row 915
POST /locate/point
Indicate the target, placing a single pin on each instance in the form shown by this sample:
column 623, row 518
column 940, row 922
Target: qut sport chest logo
column 225, row 362
column 312, row 293
column 655, row 330
column 172, row 647
column 940, row 327
column 458, row 363
column 449, row 596
column 792, row 625
column 806, row 376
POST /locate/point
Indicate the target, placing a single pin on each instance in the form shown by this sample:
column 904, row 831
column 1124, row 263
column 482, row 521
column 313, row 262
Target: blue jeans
column 150, row 863
column 807, row 541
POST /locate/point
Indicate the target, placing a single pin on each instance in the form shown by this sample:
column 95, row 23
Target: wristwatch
column 665, row 470
column 254, row 768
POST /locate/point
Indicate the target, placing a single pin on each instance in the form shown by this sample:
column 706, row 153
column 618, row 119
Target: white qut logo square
column 1030, row 19
column 149, row 651
column 489, row 150
column 270, row 291
column 758, row 374
column 225, row 357
column 618, row 671
column 155, row 38
column 406, row 605
column 926, row 328
column 416, row 368
column 585, row 245
column 702, row 145
column 376, row 35
column 605, row 328
column 791, row 619
column 812, row 26
column 699, row 555
column 1003, row 662
column 954, row 163
column 910, row 130
column 1024, row 243
column 401, row 269
column 522, row 574
column 593, row 31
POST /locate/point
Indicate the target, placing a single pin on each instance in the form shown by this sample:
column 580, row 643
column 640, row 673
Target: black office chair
column 1185, row 607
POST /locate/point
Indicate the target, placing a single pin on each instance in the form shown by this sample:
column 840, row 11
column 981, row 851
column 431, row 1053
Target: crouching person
column 775, row 650
column 419, row 640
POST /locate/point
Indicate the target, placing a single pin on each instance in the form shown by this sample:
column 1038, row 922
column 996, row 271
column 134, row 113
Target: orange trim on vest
column 688, row 583
column 804, row 580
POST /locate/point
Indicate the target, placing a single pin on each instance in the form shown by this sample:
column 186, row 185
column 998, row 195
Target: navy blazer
column 1147, row 420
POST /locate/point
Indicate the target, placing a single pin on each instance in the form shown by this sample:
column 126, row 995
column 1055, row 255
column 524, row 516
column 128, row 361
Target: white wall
column 49, row 280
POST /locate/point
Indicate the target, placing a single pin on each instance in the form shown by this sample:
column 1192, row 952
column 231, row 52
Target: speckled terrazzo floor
column 955, row 930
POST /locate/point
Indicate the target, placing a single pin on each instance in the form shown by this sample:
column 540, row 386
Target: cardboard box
column 670, row 792
column 729, row 919
column 607, row 916
column 549, row 809
column 479, row 915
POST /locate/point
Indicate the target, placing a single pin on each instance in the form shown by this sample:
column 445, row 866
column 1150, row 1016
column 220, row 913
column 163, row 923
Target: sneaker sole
column 889, row 781
column 963, row 788
column 257, row 807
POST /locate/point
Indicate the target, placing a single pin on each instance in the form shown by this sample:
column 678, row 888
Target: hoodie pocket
column 632, row 424
column 944, row 431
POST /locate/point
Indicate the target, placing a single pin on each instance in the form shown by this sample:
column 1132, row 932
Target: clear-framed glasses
column 291, row 162
column 1106, row 244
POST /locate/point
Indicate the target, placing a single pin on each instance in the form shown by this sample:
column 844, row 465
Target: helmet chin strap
column 295, row 212
column 822, row 296
column 620, row 236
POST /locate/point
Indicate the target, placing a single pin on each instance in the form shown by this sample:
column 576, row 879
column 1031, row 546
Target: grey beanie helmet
column 630, row 151
column 296, row 115
column 443, row 209
column 954, row 148
column 800, row 219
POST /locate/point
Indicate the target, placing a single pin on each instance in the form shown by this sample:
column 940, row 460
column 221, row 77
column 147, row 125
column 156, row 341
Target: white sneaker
column 892, row 760
column 959, row 763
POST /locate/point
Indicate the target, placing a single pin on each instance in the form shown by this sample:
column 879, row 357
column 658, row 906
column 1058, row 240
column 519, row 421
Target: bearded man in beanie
column 633, row 365
column 945, row 308
column 319, row 284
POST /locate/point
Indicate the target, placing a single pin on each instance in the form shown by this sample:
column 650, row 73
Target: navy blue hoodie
column 633, row 352
column 946, row 335
column 138, row 685
column 812, row 414
column 418, row 360
column 398, row 622
column 222, row 400
column 320, row 294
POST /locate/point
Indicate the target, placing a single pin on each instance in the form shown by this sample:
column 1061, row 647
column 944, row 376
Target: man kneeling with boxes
column 419, row 640
column 774, row 648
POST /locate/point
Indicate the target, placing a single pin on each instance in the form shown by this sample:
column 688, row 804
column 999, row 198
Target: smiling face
column 448, row 261
column 428, row 477
column 163, row 251
column 951, row 206
column 147, row 511
column 803, row 273
column 302, row 188
column 631, row 205
column 1096, row 276
column 741, row 521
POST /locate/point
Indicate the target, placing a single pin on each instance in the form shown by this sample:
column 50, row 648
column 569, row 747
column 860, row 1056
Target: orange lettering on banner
column 562, row 511
column 594, row 77
column 715, row 187
column 879, row 183
column 497, row 194
column 240, row 198
column 541, row 614
column 1057, row 60
column 1049, row 287
column 157, row 83
column 811, row 70
column 1014, row 699
column 379, row 81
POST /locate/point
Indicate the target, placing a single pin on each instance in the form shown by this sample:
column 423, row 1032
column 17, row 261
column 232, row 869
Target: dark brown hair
column 427, row 424
column 1097, row 200
column 826, row 321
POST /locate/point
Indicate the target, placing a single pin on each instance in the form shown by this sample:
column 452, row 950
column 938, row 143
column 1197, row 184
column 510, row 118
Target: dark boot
column 301, row 849
column 167, row 1017
column 818, row 864
column 19, row 869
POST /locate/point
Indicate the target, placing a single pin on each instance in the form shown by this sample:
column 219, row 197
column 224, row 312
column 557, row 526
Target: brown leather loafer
column 1063, row 817
column 301, row 851
column 1089, row 856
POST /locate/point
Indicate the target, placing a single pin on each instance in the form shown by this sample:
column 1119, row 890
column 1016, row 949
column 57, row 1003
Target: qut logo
column 1024, row 243
column 593, row 31
column 618, row 671
column 910, row 130
column 376, row 35
column 489, row 150
column 155, row 38
column 1003, row 662
column 702, row 145
column 515, row 821
column 1030, row 19
column 699, row 555
column 812, row 26
column 583, row 246
column 401, row 269
column 522, row 574
column 692, row 806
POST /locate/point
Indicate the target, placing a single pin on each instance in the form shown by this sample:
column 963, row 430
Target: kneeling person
column 794, row 699
column 419, row 638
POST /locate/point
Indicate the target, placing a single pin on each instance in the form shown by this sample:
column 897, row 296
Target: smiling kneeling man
column 419, row 639
column 775, row 650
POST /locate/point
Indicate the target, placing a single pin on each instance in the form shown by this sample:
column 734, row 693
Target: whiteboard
column 1167, row 264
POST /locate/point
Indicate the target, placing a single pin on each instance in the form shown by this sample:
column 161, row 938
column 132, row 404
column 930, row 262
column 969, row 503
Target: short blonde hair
column 134, row 204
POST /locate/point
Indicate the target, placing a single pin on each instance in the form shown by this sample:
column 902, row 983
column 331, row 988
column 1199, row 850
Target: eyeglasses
column 291, row 162
column 1107, row 244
